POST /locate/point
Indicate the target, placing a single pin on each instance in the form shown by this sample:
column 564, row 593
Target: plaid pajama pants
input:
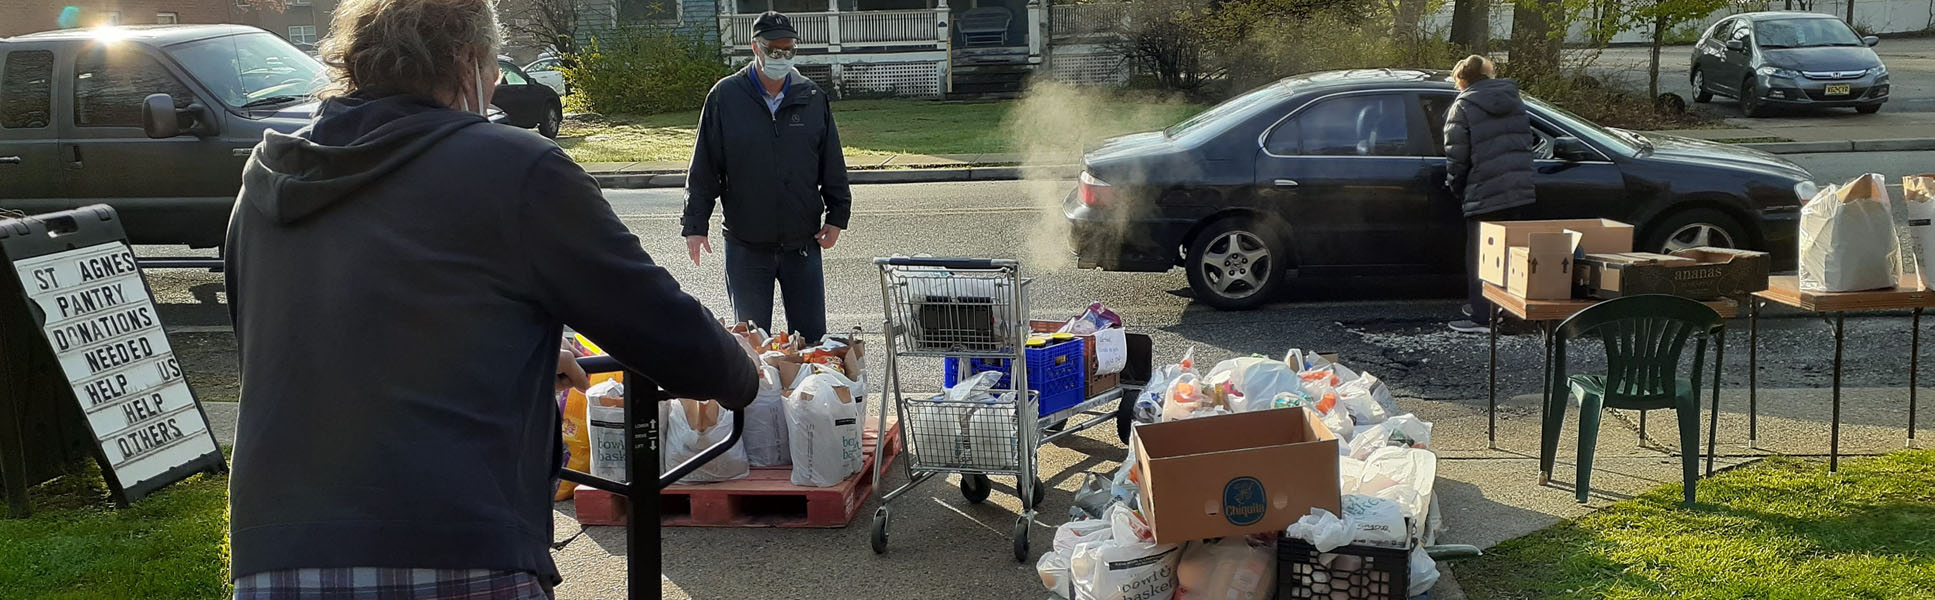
column 372, row 583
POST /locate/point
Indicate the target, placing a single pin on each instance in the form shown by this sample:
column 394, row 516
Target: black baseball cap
column 774, row 26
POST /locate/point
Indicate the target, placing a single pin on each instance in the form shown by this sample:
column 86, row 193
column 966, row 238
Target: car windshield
column 1804, row 33
column 251, row 70
column 1620, row 141
column 1235, row 108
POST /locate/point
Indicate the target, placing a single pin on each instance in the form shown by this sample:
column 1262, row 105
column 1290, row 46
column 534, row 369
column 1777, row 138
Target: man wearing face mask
column 399, row 274
column 767, row 143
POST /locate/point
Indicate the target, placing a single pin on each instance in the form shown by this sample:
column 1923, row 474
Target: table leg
column 1914, row 371
column 1713, row 420
column 1491, row 398
column 1834, row 432
column 1753, row 372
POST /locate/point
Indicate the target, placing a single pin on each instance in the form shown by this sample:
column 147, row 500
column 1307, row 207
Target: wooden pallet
column 768, row 498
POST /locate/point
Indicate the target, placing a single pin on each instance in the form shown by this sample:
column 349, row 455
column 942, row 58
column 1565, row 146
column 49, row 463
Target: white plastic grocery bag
column 766, row 439
column 1321, row 529
column 1847, row 238
column 1406, row 430
column 1127, row 566
column 1257, row 382
column 683, row 441
column 1230, row 568
column 605, row 431
column 823, row 432
column 1918, row 207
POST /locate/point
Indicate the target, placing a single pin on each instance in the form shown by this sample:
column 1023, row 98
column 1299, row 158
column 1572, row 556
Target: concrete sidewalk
column 1799, row 135
column 943, row 547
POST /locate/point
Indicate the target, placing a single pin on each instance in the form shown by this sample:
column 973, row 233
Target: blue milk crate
column 1055, row 371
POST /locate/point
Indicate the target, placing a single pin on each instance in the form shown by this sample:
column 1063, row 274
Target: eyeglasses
column 775, row 53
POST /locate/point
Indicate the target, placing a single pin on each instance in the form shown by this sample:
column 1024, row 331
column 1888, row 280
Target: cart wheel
column 975, row 488
column 880, row 531
column 1021, row 539
column 1041, row 491
column 1124, row 419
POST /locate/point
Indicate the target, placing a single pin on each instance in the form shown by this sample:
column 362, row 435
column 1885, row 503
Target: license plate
column 1838, row 90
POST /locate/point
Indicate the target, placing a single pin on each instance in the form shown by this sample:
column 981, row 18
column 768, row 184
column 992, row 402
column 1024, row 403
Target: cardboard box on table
column 1234, row 474
column 1542, row 268
column 1696, row 273
column 1496, row 238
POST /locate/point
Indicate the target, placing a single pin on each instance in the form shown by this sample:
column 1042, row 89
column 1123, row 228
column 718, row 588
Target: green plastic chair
column 1644, row 337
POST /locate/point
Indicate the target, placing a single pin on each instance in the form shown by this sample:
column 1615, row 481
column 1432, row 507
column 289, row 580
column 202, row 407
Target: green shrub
column 645, row 70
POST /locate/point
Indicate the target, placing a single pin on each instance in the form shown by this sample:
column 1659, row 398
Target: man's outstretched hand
column 695, row 242
column 828, row 236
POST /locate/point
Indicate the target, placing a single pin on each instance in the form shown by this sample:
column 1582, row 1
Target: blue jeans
column 750, row 273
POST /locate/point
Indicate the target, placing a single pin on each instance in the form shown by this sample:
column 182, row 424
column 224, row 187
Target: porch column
column 833, row 26
column 1035, row 13
column 727, row 8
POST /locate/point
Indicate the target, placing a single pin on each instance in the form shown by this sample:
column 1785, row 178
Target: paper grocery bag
column 1918, row 208
column 1847, row 238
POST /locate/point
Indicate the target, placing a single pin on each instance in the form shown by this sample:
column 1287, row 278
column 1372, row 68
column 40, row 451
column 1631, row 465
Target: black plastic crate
column 1359, row 572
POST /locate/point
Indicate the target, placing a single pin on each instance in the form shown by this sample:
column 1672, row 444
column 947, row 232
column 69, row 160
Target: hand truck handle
column 948, row 263
column 607, row 364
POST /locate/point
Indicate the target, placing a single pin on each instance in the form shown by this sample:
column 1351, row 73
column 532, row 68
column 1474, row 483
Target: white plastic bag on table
column 683, row 441
column 1918, row 207
column 1376, row 521
column 1230, row 568
column 1127, row 566
column 1847, row 238
column 766, row 439
column 1321, row 529
column 1405, row 430
column 823, row 432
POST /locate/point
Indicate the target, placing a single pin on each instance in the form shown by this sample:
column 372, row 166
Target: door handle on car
column 1286, row 183
column 9, row 160
column 241, row 152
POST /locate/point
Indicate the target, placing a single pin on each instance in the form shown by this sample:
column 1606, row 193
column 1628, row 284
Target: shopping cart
column 641, row 456
column 969, row 308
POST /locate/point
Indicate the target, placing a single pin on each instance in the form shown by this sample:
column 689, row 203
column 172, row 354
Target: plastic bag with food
column 693, row 427
column 1229, row 568
column 1405, row 430
column 1148, row 404
column 823, row 429
column 605, row 414
column 767, row 439
column 1127, row 565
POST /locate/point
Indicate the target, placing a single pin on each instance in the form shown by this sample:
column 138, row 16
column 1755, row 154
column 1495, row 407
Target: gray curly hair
column 388, row 47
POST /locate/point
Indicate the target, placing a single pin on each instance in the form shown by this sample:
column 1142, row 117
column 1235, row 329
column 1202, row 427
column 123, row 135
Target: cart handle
column 948, row 263
column 607, row 364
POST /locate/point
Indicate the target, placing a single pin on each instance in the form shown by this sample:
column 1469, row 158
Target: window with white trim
column 302, row 34
column 167, row 18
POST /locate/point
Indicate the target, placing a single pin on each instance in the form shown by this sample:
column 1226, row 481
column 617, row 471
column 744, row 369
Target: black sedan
column 1342, row 173
column 525, row 102
column 1788, row 59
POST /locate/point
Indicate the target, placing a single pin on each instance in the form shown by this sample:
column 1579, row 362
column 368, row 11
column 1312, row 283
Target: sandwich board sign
column 75, row 277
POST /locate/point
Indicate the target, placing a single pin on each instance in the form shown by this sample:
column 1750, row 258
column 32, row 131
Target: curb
column 957, row 174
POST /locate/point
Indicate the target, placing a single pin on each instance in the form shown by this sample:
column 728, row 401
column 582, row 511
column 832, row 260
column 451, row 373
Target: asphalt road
column 1911, row 70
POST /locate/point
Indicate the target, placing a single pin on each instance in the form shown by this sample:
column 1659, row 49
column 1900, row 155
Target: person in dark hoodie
column 768, row 145
column 1488, row 159
column 399, row 275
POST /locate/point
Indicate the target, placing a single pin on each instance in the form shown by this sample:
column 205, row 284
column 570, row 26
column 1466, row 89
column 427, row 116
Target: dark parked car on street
column 1770, row 60
column 1343, row 173
column 157, row 120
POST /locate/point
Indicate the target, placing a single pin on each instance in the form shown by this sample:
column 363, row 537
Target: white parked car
column 545, row 70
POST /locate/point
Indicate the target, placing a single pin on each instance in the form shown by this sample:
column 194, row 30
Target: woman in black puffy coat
column 1488, row 157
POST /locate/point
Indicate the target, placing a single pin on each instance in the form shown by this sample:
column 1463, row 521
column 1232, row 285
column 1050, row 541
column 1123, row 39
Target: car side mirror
column 161, row 120
column 1870, row 40
column 1736, row 45
column 1571, row 149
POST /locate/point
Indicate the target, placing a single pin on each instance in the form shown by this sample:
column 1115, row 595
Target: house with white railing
column 919, row 48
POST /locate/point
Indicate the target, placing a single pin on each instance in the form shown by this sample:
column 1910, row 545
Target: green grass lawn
column 1782, row 528
column 873, row 128
column 173, row 544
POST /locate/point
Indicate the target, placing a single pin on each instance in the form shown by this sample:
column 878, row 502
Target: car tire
column 1700, row 93
column 1236, row 264
column 552, row 120
column 1750, row 104
column 1695, row 227
column 1869, row 109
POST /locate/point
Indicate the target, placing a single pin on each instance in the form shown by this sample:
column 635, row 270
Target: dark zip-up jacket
column 399, row 275
column 1488, row 148
column 780, row 175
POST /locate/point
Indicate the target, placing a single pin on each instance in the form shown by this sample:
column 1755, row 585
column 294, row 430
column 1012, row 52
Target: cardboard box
column 1496, row 238
column 1234, row 474
column 1697, row 273
column 1542, row 269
